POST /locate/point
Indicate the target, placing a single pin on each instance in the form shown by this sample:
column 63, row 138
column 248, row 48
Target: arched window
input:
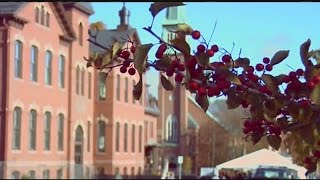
column 32, row 129
column 16, row 137
column 61, row 74
column 89, row 85
column 171, row 131
column 15, row 175
column 125, row 171
column 89, row 137
column 132, row 171
column 47, row 129
column 34, row 63
column 133, row 136
column 42, row 15
column 101, row 136
column 37, row 13
column 133, row 99
column 140, row 138
column 82, row 81
column 60, row 131
column 125, row 138
column 48, row 70
column 47, row 19
column 80, row 34
column 102, row 86
column 118, row 87
column 77, row 79
column 117, row 137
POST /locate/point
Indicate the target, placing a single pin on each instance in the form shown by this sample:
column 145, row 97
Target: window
column 77, row 79
column 117, row 136
column 32, row 174
column 139, row 171
column 42, row 15
column 118, row 87
column 15, row 175
column 146, row 131
column 89, row 85
column 102, row 86
column 101, row 136
column 18, row 59
column 34, row 63
column 89, row 132
column 61, row 71
column 151, row 129
column 60, row 131
column 126, row 90
column 133, row 136
column 82, row 81
column 59, row 173
column 46, row 174
column 16, row 128
column 47, row 19
column 140, row 100
column 125, row 138
column 125, row 171
column 47, row 127
column 140, row 138
column 133, row 99
column 37, row 13
column 80, row 34
column 32, row 129
column 171, row 129
column 48, row 74
column 132, row 171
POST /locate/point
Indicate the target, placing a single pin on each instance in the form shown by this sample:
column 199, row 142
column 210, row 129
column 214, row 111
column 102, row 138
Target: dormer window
column 42, row 15
column 80, row 34
column 37, row 14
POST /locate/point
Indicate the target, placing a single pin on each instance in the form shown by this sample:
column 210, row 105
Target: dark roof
column 10, row 7
column 107, row 37
column 84, row 6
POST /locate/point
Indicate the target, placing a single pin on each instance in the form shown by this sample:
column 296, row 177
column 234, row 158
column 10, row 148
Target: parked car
column 275, row 172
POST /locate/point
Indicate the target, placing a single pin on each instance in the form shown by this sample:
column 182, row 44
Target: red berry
column 125, row 54
column 179, row 77
column 123, row 69
column 162, row 48
column 159, row 55
column 215, row 48
column 133, row 49
column 244, row 104
column 299, row 72
column 195, row 34
column 210, row 53
column 247, row 123
column 250, row 69
column 169, row 72
column 181, row 67
column 307, row 160
column 226, row 58
column 259, row 67
column 201, row 48
column 316, row 154
column 174, row 63
column 193, row 85
column 269, row 67
column 305, row 103
column 293, row 75
column 132, row 71
column 202, row 91
column 126, row 63
column 213, row 91
column 246, row 131
column 266, row 60
column 311, row 85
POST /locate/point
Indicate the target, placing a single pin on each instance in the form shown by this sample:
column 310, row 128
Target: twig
column 214, row 28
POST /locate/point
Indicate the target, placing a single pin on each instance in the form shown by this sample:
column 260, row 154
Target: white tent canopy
column 262, row 157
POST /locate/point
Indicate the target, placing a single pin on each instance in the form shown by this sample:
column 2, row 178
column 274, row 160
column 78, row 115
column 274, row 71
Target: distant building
column 60, row 119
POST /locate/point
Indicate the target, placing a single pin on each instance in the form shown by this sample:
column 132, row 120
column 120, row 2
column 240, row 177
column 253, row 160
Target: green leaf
column 184, row 28
column 181, row 45
column 304, row 52
column 233, row 100
column 164, row 62
column 106, row 58
column 93, row 56
column 307, row 134
column 280, row 78
column 203, row 59
column 156, row 7
column 116, row 47
column 255, row 137
column 274, row 141
column 242, row 62
column 203, row 102
column 233, row 78
column 166, row 83
column 140, row 57
column 270, row 82
column 315, row 94
column 137, row 89
column 279, row 57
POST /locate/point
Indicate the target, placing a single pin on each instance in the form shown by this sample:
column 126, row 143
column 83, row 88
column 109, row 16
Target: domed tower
column 124, row 15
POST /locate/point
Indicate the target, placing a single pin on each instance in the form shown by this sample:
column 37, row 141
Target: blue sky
column 259, row 29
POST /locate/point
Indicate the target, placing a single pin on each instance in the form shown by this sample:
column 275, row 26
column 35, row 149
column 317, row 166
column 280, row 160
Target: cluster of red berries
column 125, row 54
column 260, row 127
column 265, row 66
column 310, row 162
column 174, row 66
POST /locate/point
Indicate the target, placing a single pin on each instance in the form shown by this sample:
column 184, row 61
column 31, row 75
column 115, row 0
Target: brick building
column 60, row 119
